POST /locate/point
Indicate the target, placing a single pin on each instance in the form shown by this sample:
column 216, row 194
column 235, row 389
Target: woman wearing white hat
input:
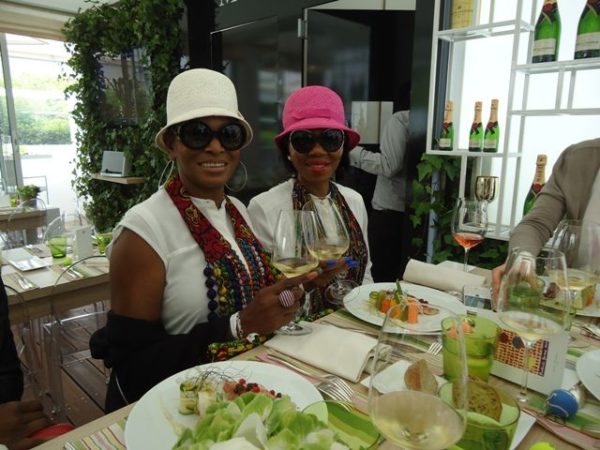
column 186, row 269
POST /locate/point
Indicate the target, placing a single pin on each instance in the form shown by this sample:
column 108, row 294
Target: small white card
column 82, row 245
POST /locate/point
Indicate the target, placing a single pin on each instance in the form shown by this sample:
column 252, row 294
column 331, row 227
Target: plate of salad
column 162, row 416
column 370, row 302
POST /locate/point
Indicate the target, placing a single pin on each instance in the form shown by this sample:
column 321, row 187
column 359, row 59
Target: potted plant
column 28, row 192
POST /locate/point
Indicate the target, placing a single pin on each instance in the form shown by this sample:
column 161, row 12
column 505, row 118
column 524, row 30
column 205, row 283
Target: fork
column 434, row 348
column 332, row 385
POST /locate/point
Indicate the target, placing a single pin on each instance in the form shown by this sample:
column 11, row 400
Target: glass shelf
column 503, row 234
column 472, row 154
column 484, row 31
column 560, row 66
column 119, row 180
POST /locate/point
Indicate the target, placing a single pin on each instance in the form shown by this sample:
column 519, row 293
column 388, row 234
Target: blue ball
column 561, row 403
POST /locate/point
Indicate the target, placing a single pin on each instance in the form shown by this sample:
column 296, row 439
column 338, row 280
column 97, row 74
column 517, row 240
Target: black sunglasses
column 197, row 135
column 304, row 141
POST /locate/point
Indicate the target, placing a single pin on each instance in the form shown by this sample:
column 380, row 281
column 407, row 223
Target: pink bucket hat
column 313, row 107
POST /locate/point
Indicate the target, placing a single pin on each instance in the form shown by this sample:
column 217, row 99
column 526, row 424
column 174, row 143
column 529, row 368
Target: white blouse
column 158, row 222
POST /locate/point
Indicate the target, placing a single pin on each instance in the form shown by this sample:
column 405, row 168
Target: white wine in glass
column 521, row 300
column 469, row 225
column 580, row 242
column 333, row 241
column 295, row 233
column 404, row 391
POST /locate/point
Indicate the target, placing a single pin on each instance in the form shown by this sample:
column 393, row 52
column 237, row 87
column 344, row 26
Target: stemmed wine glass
column 521, row 302
column 580, row 242
column 295, row 233
column 485, row 189
column 332, row 242
column 409, row 402
column 469, row 225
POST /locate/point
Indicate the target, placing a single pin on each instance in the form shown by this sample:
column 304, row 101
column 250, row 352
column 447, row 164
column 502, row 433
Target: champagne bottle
column 446, row 139
column 476, row 132
column 492, row 130
column 588, row 31
column 547, row 33
column 538, row 183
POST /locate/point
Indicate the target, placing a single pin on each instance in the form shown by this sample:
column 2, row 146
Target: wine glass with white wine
column 580, row 242
column 333, row 241
column 295, row 233
column 522, row 306
column 405, row 401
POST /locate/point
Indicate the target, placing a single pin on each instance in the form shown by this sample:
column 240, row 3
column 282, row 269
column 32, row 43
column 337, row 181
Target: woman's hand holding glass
column 528, row 305
column 295, row 235
column 406, row 404
column 332, row 242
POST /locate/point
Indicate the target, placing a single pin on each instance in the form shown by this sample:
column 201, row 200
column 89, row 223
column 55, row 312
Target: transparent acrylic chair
column 66, row 339
column 26, row 224
column 27, row 341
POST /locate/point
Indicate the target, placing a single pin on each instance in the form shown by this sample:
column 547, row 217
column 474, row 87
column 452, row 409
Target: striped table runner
column 109, row 438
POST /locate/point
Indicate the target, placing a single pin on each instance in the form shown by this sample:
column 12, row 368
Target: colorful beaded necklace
column 358, row 247
column 230, row 286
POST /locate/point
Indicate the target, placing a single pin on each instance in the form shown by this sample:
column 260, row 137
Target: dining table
column 110, row 428
column 38, row 293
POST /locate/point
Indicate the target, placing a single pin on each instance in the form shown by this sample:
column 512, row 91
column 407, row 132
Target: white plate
column 154, row 418
column 358, row 304
column 588, row 371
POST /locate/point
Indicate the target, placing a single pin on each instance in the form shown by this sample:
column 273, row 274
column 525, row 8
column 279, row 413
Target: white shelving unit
column 515, row 107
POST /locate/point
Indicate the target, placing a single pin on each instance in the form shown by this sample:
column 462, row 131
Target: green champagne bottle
column 476, row 132
column 539, row 180
column 547, row 33
column 492, row 130
column 588, row 31
column 446, row 140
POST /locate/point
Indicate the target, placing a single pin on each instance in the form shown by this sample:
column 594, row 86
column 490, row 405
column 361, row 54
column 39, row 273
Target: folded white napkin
column 341, row 352
column 441, row 278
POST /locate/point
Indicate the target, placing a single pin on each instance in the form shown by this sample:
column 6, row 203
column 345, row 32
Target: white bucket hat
column 198, row 93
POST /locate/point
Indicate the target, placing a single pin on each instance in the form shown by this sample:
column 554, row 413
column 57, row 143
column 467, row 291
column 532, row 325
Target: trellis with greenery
column 435, row 190
column 110, row 30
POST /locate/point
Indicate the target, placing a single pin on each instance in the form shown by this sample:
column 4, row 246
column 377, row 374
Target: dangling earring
column 289, row 157
column 242, row 185
column 168, row 169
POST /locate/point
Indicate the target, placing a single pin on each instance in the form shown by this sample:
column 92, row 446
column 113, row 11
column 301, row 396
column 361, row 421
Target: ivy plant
column 109, row 31
column 435, row 190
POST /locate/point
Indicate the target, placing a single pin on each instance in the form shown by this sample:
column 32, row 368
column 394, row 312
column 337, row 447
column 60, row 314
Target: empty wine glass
column 580, row 242
column 405, row 401
column 469, row 225
column 332, row 242
column 295, row 233
column 522, row 304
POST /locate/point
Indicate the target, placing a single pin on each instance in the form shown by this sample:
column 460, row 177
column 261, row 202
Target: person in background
column 572, row 192
column 389, row 248
column 185, row 267
column 314, row 144
column 18, row 419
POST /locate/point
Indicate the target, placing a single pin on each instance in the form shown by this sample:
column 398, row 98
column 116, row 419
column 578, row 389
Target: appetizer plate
column 588, row 371
column 155, row 422
column 358, row 304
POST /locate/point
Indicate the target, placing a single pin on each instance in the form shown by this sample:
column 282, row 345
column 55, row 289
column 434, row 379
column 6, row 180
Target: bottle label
column 445, row 142
column 543, row 47
column 490, row 144
column 588, row 41
column 475, row 143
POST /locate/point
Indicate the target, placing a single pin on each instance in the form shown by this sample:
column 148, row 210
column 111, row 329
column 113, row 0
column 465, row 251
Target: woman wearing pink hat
column 185, row 269
column 314, row 143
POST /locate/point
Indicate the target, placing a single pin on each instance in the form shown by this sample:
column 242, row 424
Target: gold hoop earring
column 240, row 184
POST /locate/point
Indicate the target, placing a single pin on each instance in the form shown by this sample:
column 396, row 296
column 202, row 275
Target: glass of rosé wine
column 469, row 224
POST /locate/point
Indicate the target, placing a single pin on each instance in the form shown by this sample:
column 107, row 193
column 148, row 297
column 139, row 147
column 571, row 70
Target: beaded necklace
column 230, row 286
